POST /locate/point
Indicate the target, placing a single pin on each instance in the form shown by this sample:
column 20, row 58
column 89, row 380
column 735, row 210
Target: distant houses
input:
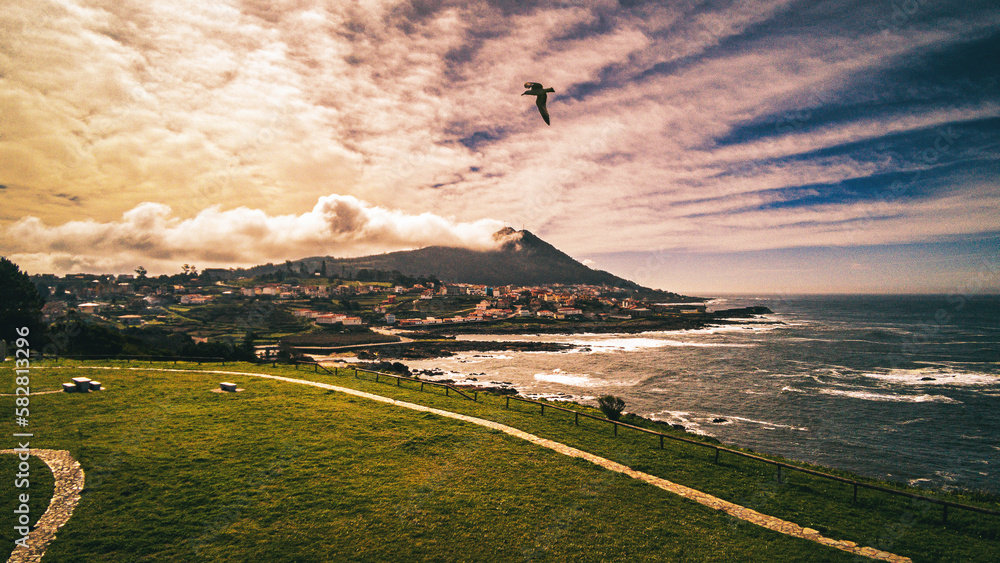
column 91, row 308
column 337, row 318
column 129, row 300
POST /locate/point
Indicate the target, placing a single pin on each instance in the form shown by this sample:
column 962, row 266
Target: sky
column 695, row 146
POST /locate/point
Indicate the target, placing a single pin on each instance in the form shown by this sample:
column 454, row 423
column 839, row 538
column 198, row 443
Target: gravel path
column 68, row 484
column 735, row 510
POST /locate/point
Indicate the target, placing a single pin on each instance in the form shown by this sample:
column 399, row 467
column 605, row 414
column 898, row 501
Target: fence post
column 779, row 473
column 717, row 457
column 421, row 385
column 661, row 442
column 615, row 424
column 475, row 396
column 576, row 419
column 543, row 409
column 855, row 492
column 355, row 373
column 446, row 391
column 397, row 381
column 376, row 377
column 507, row 406
column 315, row 368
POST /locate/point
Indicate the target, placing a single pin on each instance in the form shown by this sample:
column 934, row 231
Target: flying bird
column 535, row 89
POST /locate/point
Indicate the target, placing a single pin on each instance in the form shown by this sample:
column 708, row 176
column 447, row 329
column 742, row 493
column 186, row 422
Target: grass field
column 286, row 472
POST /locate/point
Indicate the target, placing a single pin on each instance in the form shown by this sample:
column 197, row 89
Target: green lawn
column 286, row 472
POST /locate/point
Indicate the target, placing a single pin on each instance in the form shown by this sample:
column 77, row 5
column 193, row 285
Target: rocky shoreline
column 630, row 326
column 425, row 350
column 441, row 342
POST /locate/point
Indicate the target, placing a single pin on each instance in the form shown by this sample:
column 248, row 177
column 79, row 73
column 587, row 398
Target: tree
column 611, row 406
column 20, row 304
column 141, row 272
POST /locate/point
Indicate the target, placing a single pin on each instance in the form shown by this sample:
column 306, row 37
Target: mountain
column 521, row 258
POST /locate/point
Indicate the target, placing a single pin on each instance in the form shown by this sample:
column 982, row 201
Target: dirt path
column 69, row 480
column 735, row 510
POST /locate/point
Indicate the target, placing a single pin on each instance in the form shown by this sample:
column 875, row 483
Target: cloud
column 760, row 125
column 153, row 236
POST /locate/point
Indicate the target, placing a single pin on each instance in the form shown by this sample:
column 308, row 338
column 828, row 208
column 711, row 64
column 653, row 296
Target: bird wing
column 540, row 102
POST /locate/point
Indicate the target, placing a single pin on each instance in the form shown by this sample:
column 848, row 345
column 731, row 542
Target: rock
column 231, row 387
column 926, row 379
column 719, row 420
column 679, row 427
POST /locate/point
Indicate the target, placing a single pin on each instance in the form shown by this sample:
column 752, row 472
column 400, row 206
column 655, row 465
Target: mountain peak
column 508, row 234
column 520, row 258
column 511, row 240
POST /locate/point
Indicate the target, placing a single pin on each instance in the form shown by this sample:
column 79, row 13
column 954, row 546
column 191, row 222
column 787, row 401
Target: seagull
column 536, row 89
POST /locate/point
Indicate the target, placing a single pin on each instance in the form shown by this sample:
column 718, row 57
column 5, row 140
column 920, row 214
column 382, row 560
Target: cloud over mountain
column 151, row 235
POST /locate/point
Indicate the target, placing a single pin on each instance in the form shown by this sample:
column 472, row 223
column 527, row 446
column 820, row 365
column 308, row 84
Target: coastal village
column 132, row 301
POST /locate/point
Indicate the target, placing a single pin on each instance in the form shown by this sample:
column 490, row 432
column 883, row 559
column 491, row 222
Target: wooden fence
column 779, row 465
column 945, row 504
column 148, row 359
column 399, row 379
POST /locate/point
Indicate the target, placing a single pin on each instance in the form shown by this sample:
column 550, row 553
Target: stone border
column 69, row 480
column 715, row 503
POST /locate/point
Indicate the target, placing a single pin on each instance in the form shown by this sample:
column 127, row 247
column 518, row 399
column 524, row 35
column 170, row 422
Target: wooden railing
column 399, row 379
column 945, row 504
column 778, row 464
column 144, row 358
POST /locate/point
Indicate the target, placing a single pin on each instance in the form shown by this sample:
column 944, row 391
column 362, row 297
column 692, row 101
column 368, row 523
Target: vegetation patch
column 286, row 472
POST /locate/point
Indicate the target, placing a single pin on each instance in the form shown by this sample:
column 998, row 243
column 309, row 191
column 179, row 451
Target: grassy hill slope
column 284, row 472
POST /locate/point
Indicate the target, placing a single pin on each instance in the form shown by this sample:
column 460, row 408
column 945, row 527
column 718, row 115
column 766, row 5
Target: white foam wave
column 732, row 328
column 558, row 397
column 765, row 423
column 935, row 376
column 869, row 396
column 630, row 344
column 577, row 380
column 679, row 417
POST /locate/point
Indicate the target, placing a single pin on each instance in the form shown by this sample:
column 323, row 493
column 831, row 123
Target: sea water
column 904, row 388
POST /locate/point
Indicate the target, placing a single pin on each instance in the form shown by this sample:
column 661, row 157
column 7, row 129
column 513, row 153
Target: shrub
column 611, row 406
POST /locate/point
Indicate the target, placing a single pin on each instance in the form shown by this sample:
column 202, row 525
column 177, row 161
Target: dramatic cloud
column 678, row 127
column 152, row 236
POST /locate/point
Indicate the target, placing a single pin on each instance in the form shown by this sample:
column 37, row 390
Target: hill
column 521, row 258
column 285, row 472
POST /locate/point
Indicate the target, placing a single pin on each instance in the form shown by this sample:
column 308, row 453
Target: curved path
column 66, row 494
column 735, row 510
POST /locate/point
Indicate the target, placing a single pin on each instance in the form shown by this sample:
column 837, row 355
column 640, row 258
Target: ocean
column 903, row 388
